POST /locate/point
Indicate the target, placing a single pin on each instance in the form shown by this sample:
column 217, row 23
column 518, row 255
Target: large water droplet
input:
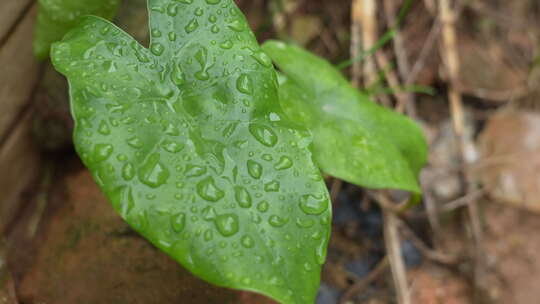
column 192, row 25
column 209, row 213
column 227, row 224
column 152, row 173
column 313, row 204
column 242, row 197
column 254, row 169
column 209, row 191
column 262, row 58
column 103, row 151
column 244, row 84
column 277, row 221
column 283, row 163
column 157, row 48
column 263, row 206
column 263, row 134
column 272, row 186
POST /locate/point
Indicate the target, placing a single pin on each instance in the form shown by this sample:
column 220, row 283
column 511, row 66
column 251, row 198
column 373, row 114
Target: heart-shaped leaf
column 57, row 17
column 188, row 140
column 354, row 138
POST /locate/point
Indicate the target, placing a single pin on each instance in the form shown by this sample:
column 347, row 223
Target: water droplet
column 308, row 266
column 227, row 224
column 277, row 221
column 124, row 196
column 209, row 213
column 263, row 206
column 244, row 84
column 178, row 222
column 236, row 25
column 227, row 44
column 247, row 241
column 185, row 1
column 242, row 197
column 177, row 75
column 172, row 10
column 103, row 151
column 152, row 173
column 262, row 58
column 156, row 33
column 135, row 142
column 171, row 146
column 128, row 172
column 192, row 25
column 254, row 169
column 209, row 191
column 313, row 204
column 104, row 128
column 213, row 1
column 272, row 186
column 208, row 235
column 195, row 171
column 283, row 163
column 263, row 134
column 320, row 253
column 304, row 223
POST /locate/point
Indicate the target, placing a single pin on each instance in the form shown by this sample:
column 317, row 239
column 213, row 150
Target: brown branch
column 361, row 285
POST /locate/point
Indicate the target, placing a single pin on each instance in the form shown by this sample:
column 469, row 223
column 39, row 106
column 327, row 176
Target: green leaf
column 189, row 142
column 57, row 17
column 354, row 138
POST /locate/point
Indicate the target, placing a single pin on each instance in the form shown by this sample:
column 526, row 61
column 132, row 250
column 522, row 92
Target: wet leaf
column 189, row 142
column 354, row 138
column 57, row 17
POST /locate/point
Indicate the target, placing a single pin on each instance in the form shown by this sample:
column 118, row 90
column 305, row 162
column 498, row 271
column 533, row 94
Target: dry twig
column 397, row 265
column 364, row 283
column 449, row 51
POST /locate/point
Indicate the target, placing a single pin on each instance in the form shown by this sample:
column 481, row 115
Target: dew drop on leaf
column 254, row 169
column 247, row 241
column 277, row 221
column 178, row 221
column 272, row 186
column 283, row 163
column 103, row 151
column 313, row 204
column 243, row 198
column 227, row 224
column 244, row 84
column 128, row 172
column 263, row 206
column 192, row 25
column 208, row 190
column 153, row 173
column 263, row 134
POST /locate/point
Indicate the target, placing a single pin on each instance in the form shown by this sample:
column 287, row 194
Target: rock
column 510, row 170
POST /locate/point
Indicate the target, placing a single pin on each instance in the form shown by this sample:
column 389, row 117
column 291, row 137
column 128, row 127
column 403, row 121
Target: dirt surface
column 90, row 255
